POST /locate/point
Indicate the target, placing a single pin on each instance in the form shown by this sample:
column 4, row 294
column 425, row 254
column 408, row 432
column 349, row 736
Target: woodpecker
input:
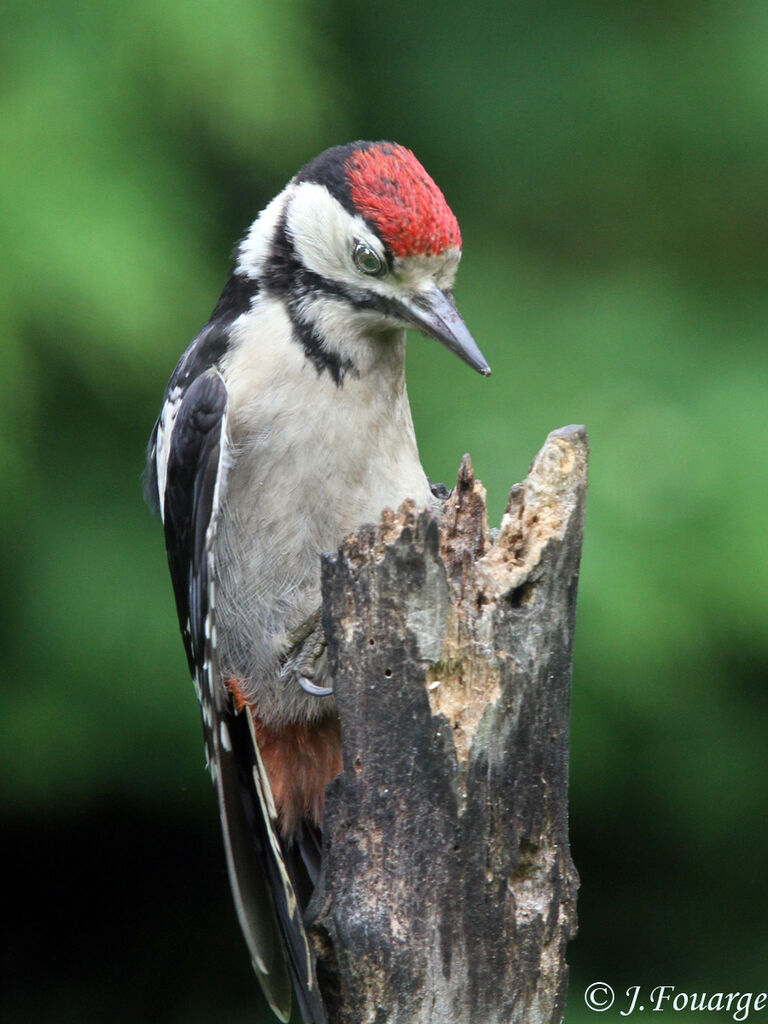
column 285, row 425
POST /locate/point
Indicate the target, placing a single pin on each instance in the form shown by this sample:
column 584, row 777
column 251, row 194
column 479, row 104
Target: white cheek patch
column 324, row 234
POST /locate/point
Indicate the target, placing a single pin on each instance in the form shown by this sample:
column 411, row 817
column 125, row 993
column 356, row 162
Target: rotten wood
column 447, row 891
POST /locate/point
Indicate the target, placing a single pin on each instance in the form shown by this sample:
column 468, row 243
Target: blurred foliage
column 607, row 163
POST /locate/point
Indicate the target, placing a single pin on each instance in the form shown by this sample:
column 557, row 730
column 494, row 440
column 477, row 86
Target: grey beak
column 435, row 315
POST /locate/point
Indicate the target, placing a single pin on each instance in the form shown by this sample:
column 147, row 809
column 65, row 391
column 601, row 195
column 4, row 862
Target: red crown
column 395, row 194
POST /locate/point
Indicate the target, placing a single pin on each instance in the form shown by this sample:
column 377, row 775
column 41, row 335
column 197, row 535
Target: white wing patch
column 163, row 450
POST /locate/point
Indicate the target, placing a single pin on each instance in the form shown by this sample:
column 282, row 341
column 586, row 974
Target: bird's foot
column 305, row 658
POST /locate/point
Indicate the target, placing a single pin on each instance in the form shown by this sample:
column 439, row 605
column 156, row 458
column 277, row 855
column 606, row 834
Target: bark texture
column 448, row 893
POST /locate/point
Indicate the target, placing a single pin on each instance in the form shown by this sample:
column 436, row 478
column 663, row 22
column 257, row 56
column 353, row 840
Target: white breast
column 310, row 461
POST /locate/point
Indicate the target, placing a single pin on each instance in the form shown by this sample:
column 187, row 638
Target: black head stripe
column 283, row 272
column 329, row 169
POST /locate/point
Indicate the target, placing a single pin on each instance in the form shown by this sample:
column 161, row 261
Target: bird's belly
column 294, row 500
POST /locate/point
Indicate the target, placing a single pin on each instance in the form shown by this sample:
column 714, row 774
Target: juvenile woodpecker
column 286, row 425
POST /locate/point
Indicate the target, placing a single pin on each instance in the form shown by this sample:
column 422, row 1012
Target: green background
column 608, row 165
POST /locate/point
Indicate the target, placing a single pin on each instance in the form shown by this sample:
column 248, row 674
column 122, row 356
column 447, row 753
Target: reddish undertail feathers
column 300, row 761
column 395, row 194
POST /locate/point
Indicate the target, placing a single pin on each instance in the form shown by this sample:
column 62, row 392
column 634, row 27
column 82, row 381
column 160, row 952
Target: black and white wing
column 189, row 455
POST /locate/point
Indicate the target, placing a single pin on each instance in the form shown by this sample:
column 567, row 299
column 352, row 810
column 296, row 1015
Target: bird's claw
column 317, row 691
column 305, row 657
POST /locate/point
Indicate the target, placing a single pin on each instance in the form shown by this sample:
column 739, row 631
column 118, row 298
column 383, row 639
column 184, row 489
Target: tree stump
column 447, row 893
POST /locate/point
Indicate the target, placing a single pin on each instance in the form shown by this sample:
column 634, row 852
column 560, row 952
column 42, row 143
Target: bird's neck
column 325, row 350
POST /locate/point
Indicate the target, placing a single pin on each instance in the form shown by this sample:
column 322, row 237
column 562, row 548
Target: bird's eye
column 366, row 259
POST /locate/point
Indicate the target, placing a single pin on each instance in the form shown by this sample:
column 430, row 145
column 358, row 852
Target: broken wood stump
column 447, row 892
